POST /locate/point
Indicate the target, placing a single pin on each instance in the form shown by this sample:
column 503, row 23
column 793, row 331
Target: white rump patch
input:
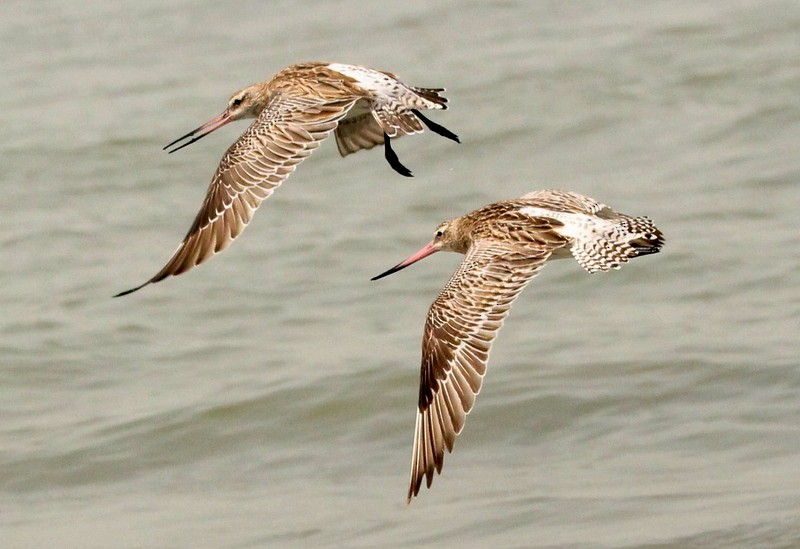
column 368, row 79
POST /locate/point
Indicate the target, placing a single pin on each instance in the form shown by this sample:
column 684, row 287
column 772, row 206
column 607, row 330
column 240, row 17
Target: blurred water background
column 267, row 398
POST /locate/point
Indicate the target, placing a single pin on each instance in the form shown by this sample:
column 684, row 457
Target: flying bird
column 505, row 245
column 295, row 111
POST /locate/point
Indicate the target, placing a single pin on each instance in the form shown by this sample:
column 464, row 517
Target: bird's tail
column 622, row 239
column 433, row 96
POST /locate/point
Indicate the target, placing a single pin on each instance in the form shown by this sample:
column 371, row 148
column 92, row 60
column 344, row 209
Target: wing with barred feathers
column 288, row 130
column 462, row 324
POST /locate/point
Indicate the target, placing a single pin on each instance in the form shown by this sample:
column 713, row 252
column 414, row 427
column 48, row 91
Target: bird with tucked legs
column 505, row 245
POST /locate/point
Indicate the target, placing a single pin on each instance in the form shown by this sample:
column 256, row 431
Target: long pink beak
column 422, row 254
column 214, row 124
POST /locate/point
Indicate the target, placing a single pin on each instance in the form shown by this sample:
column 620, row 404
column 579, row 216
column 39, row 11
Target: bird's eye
column 440, row 233
column 236, row 102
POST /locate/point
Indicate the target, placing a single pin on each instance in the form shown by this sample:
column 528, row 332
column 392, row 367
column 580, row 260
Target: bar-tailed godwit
column 505, row 245
column 294, row 111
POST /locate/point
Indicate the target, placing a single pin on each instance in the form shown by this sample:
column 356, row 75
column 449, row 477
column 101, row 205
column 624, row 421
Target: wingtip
column 411, row 494
column 126, row 292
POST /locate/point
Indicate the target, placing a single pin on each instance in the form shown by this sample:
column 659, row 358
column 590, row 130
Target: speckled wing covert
column 288, row 130
column 566, row 201
column 461, row 326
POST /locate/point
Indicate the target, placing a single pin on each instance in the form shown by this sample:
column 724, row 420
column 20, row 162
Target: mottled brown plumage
column 505, row 245
column 295, row 110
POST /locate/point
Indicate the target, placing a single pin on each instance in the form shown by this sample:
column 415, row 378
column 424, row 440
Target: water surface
column 267, row 398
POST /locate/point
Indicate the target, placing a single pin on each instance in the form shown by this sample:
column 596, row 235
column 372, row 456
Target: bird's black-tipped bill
column 422, row 254
column 199, row 133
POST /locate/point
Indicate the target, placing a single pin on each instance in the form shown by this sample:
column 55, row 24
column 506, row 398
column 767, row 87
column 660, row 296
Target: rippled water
column 267, row 398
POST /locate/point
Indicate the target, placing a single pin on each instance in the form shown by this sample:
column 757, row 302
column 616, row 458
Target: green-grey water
column 267, row 398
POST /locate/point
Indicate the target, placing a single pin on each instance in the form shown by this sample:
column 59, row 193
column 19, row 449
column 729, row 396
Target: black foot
column 436, row 128
column 391, row 158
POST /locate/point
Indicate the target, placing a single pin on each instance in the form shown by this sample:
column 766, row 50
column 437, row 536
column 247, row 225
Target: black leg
column 436, row 128
column 391, row 158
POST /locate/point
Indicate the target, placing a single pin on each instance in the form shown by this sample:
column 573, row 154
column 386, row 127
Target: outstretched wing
column 461, row 327
column 287, row 131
